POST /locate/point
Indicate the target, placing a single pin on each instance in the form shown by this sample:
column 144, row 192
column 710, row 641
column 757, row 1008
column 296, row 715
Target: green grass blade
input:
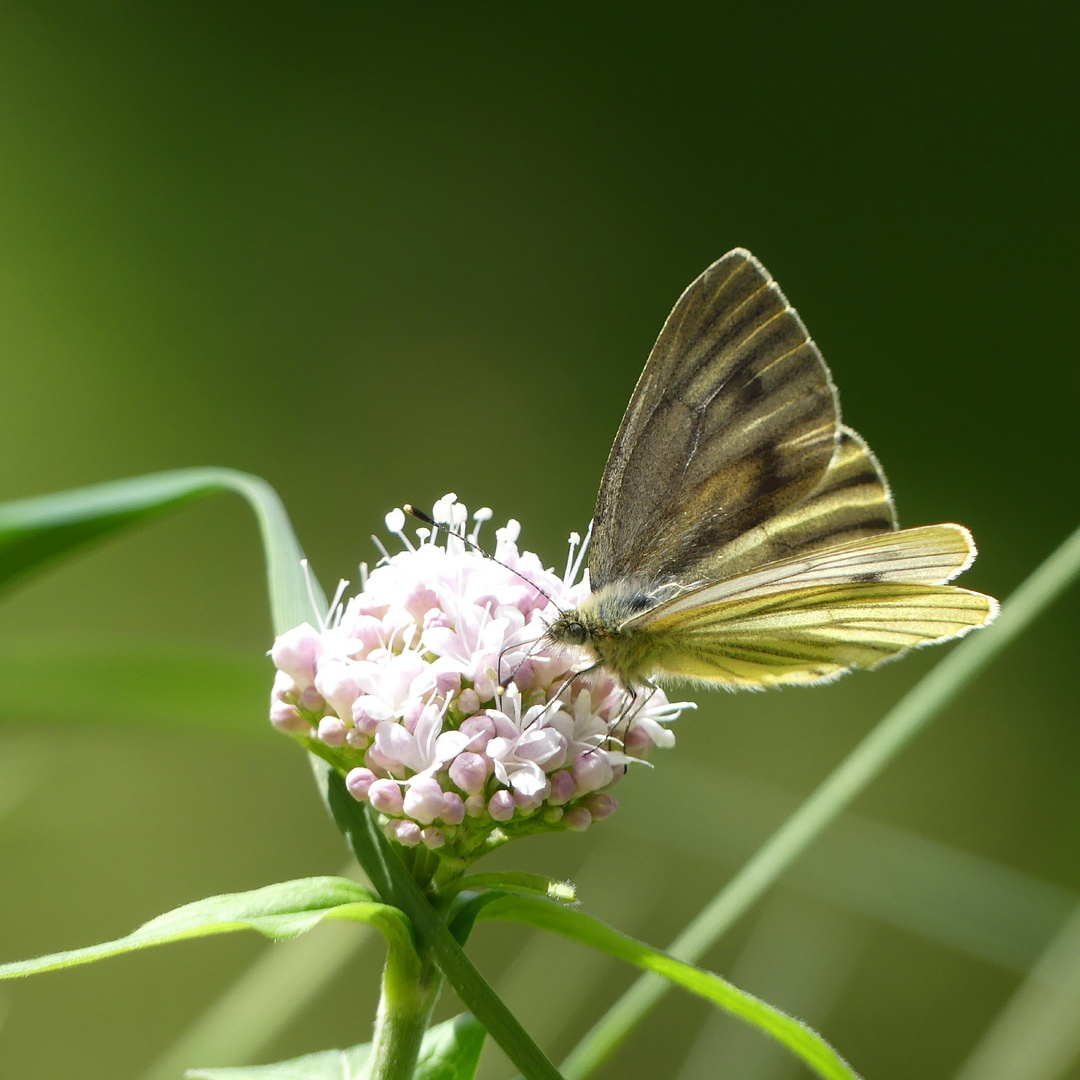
column 898, row 727
column 38, row 531
column 280, row 911
column 806, row 1044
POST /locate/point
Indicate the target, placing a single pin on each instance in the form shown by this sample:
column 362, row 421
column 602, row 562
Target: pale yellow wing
column 815, row 616
column 925, row 555
column 810, row 634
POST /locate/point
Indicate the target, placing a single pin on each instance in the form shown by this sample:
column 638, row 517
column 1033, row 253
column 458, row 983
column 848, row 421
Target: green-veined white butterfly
column 743, row 535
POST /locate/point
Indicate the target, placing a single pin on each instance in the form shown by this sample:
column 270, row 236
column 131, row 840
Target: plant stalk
column 409, row 992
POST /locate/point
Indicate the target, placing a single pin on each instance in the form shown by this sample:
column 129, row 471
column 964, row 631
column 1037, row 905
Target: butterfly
column 743, row 535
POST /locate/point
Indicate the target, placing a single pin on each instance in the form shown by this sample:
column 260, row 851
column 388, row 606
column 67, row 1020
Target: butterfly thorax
column 605, row 626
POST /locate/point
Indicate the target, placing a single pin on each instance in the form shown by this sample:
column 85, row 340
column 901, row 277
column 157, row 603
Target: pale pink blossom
column 434, row 692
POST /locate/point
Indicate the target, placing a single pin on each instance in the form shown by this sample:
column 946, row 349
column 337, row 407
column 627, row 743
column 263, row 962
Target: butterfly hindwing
column 812, row 617
column 808, row 634
column 733, row 421
column 852, row 502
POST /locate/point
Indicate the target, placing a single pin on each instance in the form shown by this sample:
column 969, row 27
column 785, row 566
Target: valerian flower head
column 435, row 692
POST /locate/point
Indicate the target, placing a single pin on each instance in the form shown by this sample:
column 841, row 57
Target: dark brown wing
column 733, row 421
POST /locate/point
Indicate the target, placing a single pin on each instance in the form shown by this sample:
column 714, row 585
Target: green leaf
column 38, row 531
column 396, row 886
column 278, row 911
column 450, row 1051
column 512, row 881
column 806, row 1044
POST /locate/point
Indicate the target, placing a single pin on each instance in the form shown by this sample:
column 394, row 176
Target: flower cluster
column 436, row 693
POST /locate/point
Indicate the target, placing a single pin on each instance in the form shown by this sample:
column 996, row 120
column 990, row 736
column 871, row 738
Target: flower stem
column 410, row 988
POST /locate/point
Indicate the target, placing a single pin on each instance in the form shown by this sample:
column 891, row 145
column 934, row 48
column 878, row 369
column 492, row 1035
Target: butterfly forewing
column 733, row 421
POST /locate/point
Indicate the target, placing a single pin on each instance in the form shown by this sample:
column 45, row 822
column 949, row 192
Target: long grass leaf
column 38, row 531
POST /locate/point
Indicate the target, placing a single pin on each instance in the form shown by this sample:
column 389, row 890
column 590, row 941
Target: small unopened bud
column 601, row 805
column 433, row 838
column 592, row 770
column 469, row 772
column 405, row 832
column 312, row 700
column 453, row 809
column 332, row 731
column 286, row 717
column 358, row 782
column 385, row 796
column 562, row 787
column 501, row 805
column 578, row 819
column 469, row 701
column 475, row 805
column 423, row 800
column 296, row 652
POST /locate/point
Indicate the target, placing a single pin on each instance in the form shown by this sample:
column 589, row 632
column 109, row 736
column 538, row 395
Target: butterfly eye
column 575, row 633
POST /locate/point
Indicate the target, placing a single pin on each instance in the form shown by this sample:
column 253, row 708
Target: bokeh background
column 375, row 253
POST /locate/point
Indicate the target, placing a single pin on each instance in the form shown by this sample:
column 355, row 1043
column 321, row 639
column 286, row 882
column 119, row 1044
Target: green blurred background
column 375, row 254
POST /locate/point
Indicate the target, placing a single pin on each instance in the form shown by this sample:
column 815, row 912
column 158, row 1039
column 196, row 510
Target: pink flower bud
column 357, row 739
column 366, row 716
column 284, row 687
column 287, row 718
column 312, row 700
column 592, row 770
column 448, row 682
column 423, row 800
column 528, row 803
column 375, row 759
column 480, row 729
column 358, row 782
column 578, row 819
column 336, row 684
column 469, row 772
column 433, row 838
column 501, row 805
column 601, row 805
column 332, row 731
column 475, row 805
column 453, row 809
column 296, row 652
column 385, row 796
column 436, row 617
column 469, row 701
column 405, row 832
column 562, row 787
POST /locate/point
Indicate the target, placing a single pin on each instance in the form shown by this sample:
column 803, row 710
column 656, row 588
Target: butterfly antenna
column 428, row 520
